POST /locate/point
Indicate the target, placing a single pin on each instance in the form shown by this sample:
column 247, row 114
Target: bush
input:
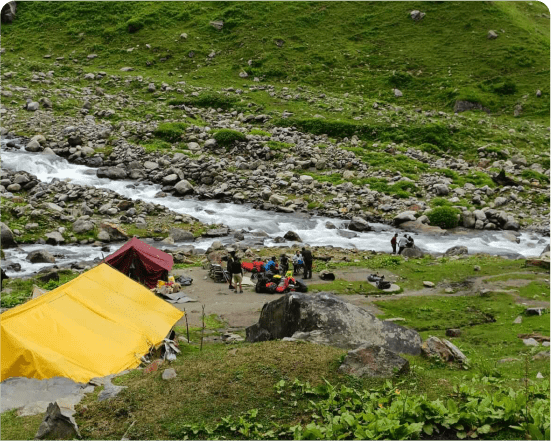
column 134, row 25
column 506, row 88
column 227, row 137
column 444, row 217
column 533, row 175
column 170, row 132
column 213, row 100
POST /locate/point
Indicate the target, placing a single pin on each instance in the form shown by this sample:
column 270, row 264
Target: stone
column 330, row 225
column 169, row 374
column 530, row 342
column 518, row 320
column 181, row 235
column 111, row 173
column 7, row 239
column 541, row 355
column 104, row 236
column 58, row 423
column 359, row 224
column 539, row 375
column 538, row 93
column 243, row 74
column 183, row 187
column 217, row 24
column 373, row 361
column 53, row 207
column 404, row 216
column 291, row 235
column 83, row 226
column 33, row 106
column 277, row 199
column 218, row 232
column 442, row 348
column 456, row 250
column 397, row 93
column 417, row 15
column 115, row 231
column 183, row 36
column 476, row 268
column 451, row 332
column 441, row 189
column 228, row 337
column 14, row 188
column 110, row 391
column 54, row 238
column 40, row 256
column 492, row 35
column 8, row 12
column 34, row 146
column 463, row 106
column 325, row 319
column 412, row 252
column 534, row 311
column 74, row 140
column 428, row 284
column 150, row 165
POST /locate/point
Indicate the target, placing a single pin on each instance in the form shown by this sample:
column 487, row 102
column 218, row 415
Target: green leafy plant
column 444, row 217
column 170, row 132
column 227, row 137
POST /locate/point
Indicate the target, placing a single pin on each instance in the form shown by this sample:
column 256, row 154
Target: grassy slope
column 358, row 47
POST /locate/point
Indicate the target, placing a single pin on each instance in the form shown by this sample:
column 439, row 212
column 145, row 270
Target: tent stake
column 203, row 327
column 187, row 326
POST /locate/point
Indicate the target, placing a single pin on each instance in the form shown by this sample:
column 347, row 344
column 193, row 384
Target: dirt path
column 243, row 310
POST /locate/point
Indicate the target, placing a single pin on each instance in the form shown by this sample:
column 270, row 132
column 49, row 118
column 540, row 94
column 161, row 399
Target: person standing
column 307, row 258
column 229, row 267
column 393, row 243
column 402, row 243
column 410, row 242
column 297, row 262
column 237, row 273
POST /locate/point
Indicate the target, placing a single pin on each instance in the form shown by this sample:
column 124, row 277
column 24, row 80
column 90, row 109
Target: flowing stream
column 311, row 229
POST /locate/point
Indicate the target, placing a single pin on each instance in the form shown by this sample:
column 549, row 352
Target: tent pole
column 187, row 326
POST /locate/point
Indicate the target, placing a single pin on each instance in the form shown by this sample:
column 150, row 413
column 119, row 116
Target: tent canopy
column 98, row 324
column 147, row 263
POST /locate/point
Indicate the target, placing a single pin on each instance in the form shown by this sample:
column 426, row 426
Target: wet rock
column 324, row 319
column 456, row 251
column 58, row 423
column 359, row 224
column 292, row 236
column 6, row 237
column 330, row 225
column 183, row 187
column 442, row 348
column 373, row 361
column 111, row 173
column 181, row 235
column 219, row 232
column 40, row 256
column 34, row 146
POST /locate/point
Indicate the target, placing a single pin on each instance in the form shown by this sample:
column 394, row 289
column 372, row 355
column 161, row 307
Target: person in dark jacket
column 284, row 261
column 307, row 257
column 237, row 274
column 410, row 242
column 393, row 243
column 229, row 266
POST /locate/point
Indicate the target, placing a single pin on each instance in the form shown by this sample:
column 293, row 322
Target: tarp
column 98, row 324
column 150, row 264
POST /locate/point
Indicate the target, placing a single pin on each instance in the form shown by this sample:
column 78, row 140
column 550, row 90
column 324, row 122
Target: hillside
column 363, row 48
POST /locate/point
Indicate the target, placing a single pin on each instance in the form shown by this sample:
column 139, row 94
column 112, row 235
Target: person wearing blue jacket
column 270, row 265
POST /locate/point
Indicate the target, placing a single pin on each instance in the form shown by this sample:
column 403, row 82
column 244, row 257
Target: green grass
column 345, row 287
column 170, row 132
column 535, row 290
column 15, row 427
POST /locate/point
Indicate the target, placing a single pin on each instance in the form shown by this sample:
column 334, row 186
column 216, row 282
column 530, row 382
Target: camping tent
column 98, row 324
column 142, row 262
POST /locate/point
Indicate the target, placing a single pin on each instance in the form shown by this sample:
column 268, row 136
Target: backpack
column 236, row 266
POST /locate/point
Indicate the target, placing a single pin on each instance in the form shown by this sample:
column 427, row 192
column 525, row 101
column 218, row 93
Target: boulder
column 218, row 232
column 404, row 216
column 463, row 106
column 217, row 24
column 456, row 250
column 417, row 15
column 373, row 361
column 83, row 225
column 468, row 219
column 181, row 235
column 58, row 423
column 8, row 12
column 291, row 235
column 6, row 237
column 34, row 146
column 40, row 256
column 54, row 238
column 419, row 227
column 115, row 231
column 168, row 374
column 442, row 348
column 325, row 319
column 359, row 224
column 277, row 199
column 413, row 252
column 111, row 173
column 74, row 140
column 441, row 189
column 183, row 187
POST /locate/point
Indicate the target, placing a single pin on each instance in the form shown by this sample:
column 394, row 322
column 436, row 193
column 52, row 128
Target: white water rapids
column 311, row 229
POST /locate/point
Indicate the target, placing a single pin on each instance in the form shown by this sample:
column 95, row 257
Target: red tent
column 141, row 262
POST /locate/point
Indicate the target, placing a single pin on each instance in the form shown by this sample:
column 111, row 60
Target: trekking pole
column 203, row 327
column 187, row 326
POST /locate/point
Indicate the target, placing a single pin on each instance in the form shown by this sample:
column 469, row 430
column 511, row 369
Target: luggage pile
column 270, row 283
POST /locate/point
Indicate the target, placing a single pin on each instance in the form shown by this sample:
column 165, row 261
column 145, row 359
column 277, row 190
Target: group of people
column 402, row 242
column 299, row 260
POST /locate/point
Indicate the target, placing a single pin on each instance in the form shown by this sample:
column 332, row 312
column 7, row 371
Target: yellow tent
column 98, row 324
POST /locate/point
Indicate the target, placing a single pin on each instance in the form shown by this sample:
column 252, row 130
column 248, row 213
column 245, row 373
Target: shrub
column 213, row 100
column 134, row 25
column 534, row 176
column 505, row 88
column 170, row 132
column 400, row 79
column 444, row 217
column 227, row 137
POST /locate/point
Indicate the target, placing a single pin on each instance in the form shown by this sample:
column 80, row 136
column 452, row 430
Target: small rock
column 476, row 268
column 539, row 375
column 373, row 361
column 58, row 423
column 518, row 320
column 530, row 342
column 534, row 311
column 168, row 374
column 453, row 332
column 492, row 35
column 428, row 284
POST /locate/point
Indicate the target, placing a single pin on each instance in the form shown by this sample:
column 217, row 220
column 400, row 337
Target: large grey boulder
column 34, row 146
column 83, row 225
column 456, row 251
column 405, row 216
column 54, row 238
column 8, row 12
column 291, row 235
column 111, row 173
column 325, row 319
column 183, row 187
column 58, row 423
column 419, row 227
column 373, row 361
column 414, row 252
column 40, row 256
column 181, row 235
column 359, row 224
column 6, row 237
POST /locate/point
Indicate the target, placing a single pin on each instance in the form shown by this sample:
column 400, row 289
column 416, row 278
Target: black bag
column 374, row 278
column 327, row 276
column 236, row 266
column 383, row 284
column 184, row 280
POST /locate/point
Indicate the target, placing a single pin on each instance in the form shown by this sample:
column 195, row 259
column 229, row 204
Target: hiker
column 307, row 257
column 297, row 262
column 402, row 243
column 229, row 267
column 270, row 265
column 410, row 242
column 236, row 272
column 284, row 260
column 393, row 243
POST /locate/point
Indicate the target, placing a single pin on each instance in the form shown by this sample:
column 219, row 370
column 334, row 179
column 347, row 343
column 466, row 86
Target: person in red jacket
column 393, row 243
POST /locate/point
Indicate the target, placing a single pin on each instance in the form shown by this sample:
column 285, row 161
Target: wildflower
column 380, row 405
column 397, row 391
